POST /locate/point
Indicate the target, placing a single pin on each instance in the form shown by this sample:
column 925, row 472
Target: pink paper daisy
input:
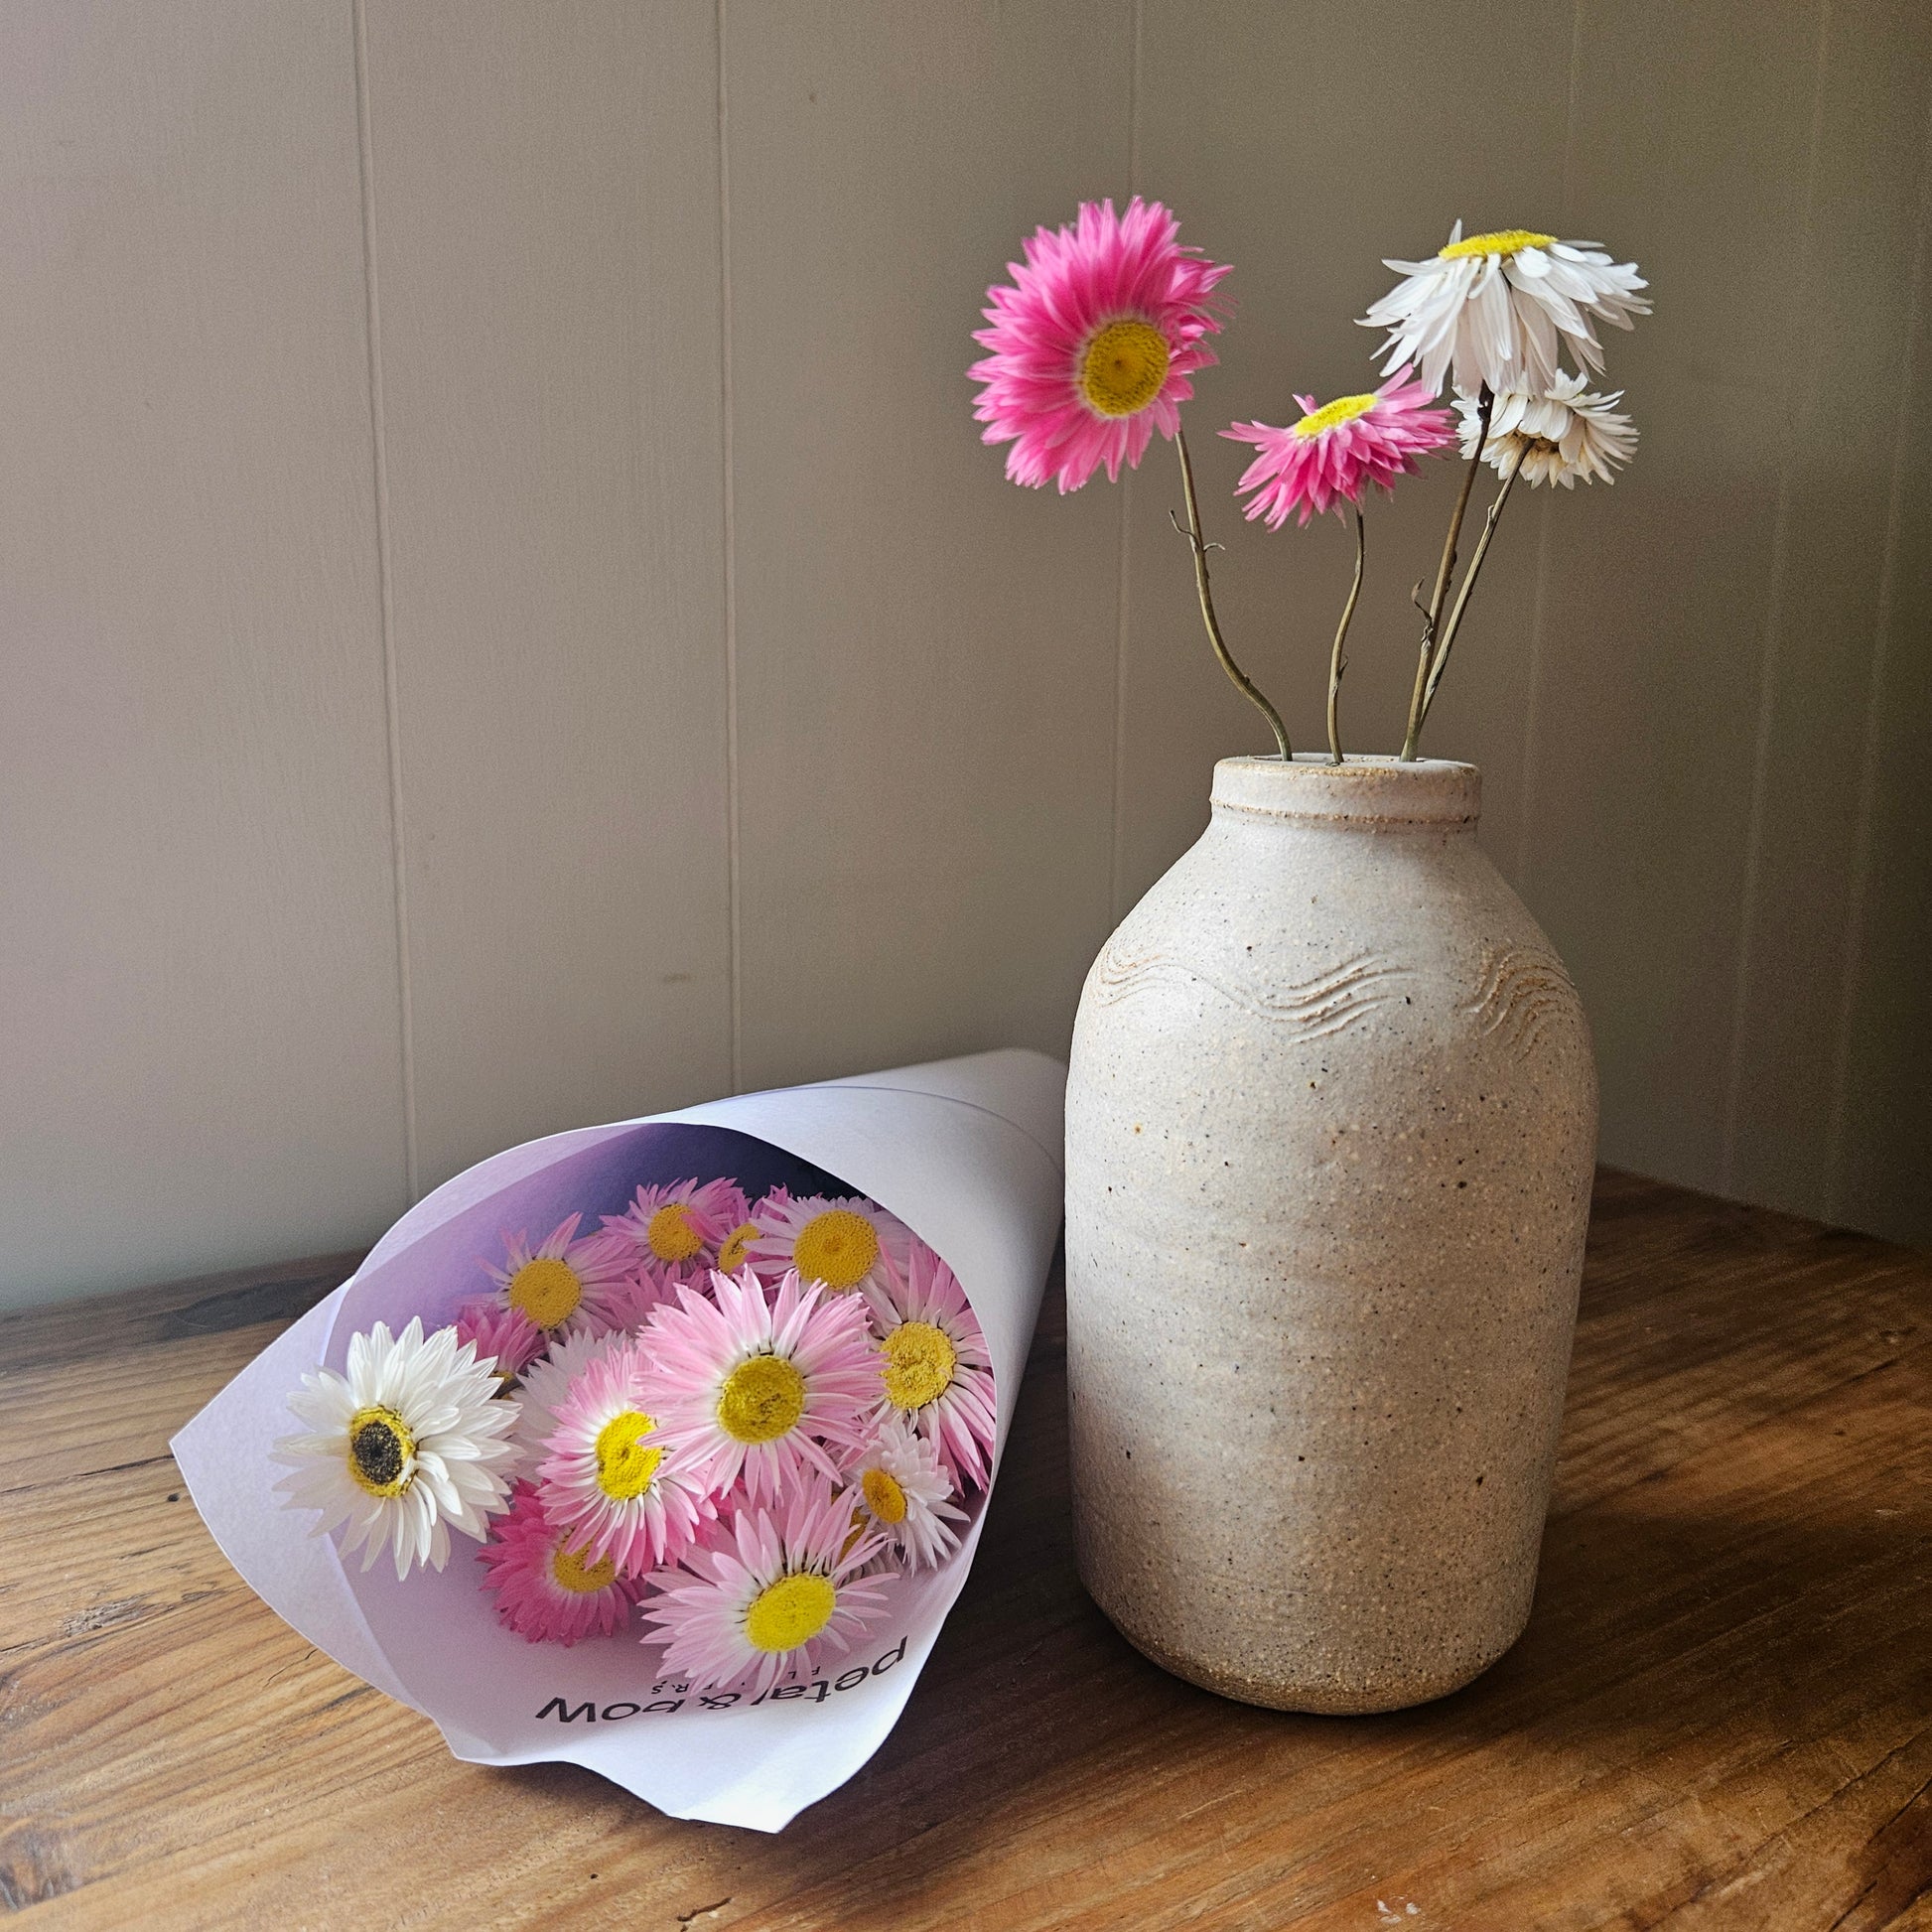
column 546, row 1590
column 1336, row 451
column 839, row 1241
column 682, row 1223
column 647, row 1287
column 902, row 1487
column 505, row 1335
column 770, row 1597
column 934, row 1364
column 564, row 1284
column 1093, row 343
column 610, row 1478
column 762, row 1384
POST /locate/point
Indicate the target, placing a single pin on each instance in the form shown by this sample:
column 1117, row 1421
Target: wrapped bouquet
column 663, row 1446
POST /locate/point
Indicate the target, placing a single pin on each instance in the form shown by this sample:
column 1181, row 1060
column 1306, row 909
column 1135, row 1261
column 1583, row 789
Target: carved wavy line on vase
column 1522, row 990
column 1328, row 1003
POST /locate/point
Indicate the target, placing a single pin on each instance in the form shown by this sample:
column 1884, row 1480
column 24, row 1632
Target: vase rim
column 1377, row 790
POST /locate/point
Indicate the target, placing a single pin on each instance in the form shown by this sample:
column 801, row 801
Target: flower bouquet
column 664, row 1446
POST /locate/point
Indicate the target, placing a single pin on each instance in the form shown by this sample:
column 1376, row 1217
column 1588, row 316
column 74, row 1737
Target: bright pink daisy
column 1338, row 450
column 682, row 1223
column 546, row 1590
column 762, row 1384
column 647, row 1287
column 1093, row 343
column 931, row 1365
column 505, row 1335
column 564, row 1284
column 769, row 1595
column 610, row 1478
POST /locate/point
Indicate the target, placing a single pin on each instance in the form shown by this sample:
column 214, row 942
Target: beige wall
column 508, row 623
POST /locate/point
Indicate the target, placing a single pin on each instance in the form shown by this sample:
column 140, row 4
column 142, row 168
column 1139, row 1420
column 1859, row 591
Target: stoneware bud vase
column 1330, row 1126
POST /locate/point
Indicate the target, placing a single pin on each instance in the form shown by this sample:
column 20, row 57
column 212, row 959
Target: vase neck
column 1366, row 792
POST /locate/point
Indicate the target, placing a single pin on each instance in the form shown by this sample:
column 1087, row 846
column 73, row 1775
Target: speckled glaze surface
column 1330, row 1122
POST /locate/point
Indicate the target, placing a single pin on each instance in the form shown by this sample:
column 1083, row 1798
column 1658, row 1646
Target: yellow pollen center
column 730, row 1257
column 762, row 1399
column 839, row 1248
column 918, row 1364
column 1344, row 409
column 382, row 1452
column 671, row 1235
column 547, row 1290
column 1124, row 367
column 791, row 1612
column 884, row 1497
column 573, row 1574
column 1505, row 241
column 624, row 1466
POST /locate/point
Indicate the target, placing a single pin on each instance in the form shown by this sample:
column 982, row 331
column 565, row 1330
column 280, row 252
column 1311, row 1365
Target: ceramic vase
column 1330, row 1123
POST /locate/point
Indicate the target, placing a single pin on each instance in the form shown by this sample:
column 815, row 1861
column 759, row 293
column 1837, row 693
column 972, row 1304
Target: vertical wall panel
column 925, row 652
column 1691, row 149
column 545, row 220
column 1852, row 295
column 198, row 975
column 1277, row 161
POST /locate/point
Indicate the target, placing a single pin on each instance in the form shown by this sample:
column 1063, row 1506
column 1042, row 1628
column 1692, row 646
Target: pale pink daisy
column 610, row 1478
column 840, row 1242
column 546, row 1382
column 759, row 1383
column 647, row 1287
column 564, row 1284
column 900, row 1487
column 1093, row 343
column 682, row 1223
column 933, row 1364
column 506, row 1336
column 548, row 1590
column 1338, row 450
column 769, row 1595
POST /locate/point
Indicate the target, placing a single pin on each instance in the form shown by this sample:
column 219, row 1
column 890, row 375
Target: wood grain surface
column 1721, row 1714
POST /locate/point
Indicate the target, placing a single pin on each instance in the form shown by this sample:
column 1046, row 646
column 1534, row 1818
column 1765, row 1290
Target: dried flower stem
column 1468, row 583
column 1242, row 682
column 1338, row 663
column 1433, row 618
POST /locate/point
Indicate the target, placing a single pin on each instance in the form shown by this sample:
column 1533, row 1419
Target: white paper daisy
column 565, row 1286
column 840, row 1242
column 410, row 1442
column 933, row 1364
column 1561, row 435
column 901, row 1488
column 1497, row 308
column 770, row 1597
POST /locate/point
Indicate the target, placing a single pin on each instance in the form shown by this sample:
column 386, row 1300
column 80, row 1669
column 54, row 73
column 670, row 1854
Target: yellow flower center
column 918, row 1364
column 884, row 1497
column 624, row 1466
column 1344, row 409
column 730, row 1257
column 547, row 1290
column 382, row 1452
column 791, row 1612
column 573, row 1574
column 671, row 1235
column 762, row 1398
column 1124, row 367
column 1505, row 241
column 839, row 1248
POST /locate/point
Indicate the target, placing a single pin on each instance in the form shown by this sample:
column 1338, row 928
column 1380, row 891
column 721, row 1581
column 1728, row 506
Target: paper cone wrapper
column 965, row 1152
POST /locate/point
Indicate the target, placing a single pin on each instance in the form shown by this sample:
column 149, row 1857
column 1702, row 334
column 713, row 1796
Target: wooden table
column 1722, row 1713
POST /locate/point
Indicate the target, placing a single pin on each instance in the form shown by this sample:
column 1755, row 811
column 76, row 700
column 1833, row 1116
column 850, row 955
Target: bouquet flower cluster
column 1094, row 346
column 726, row 1426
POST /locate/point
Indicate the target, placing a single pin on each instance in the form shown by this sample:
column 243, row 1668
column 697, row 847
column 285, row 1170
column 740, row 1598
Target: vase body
column 1331, row 1121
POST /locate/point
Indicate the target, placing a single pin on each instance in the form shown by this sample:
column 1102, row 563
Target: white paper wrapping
column 965, row 1152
